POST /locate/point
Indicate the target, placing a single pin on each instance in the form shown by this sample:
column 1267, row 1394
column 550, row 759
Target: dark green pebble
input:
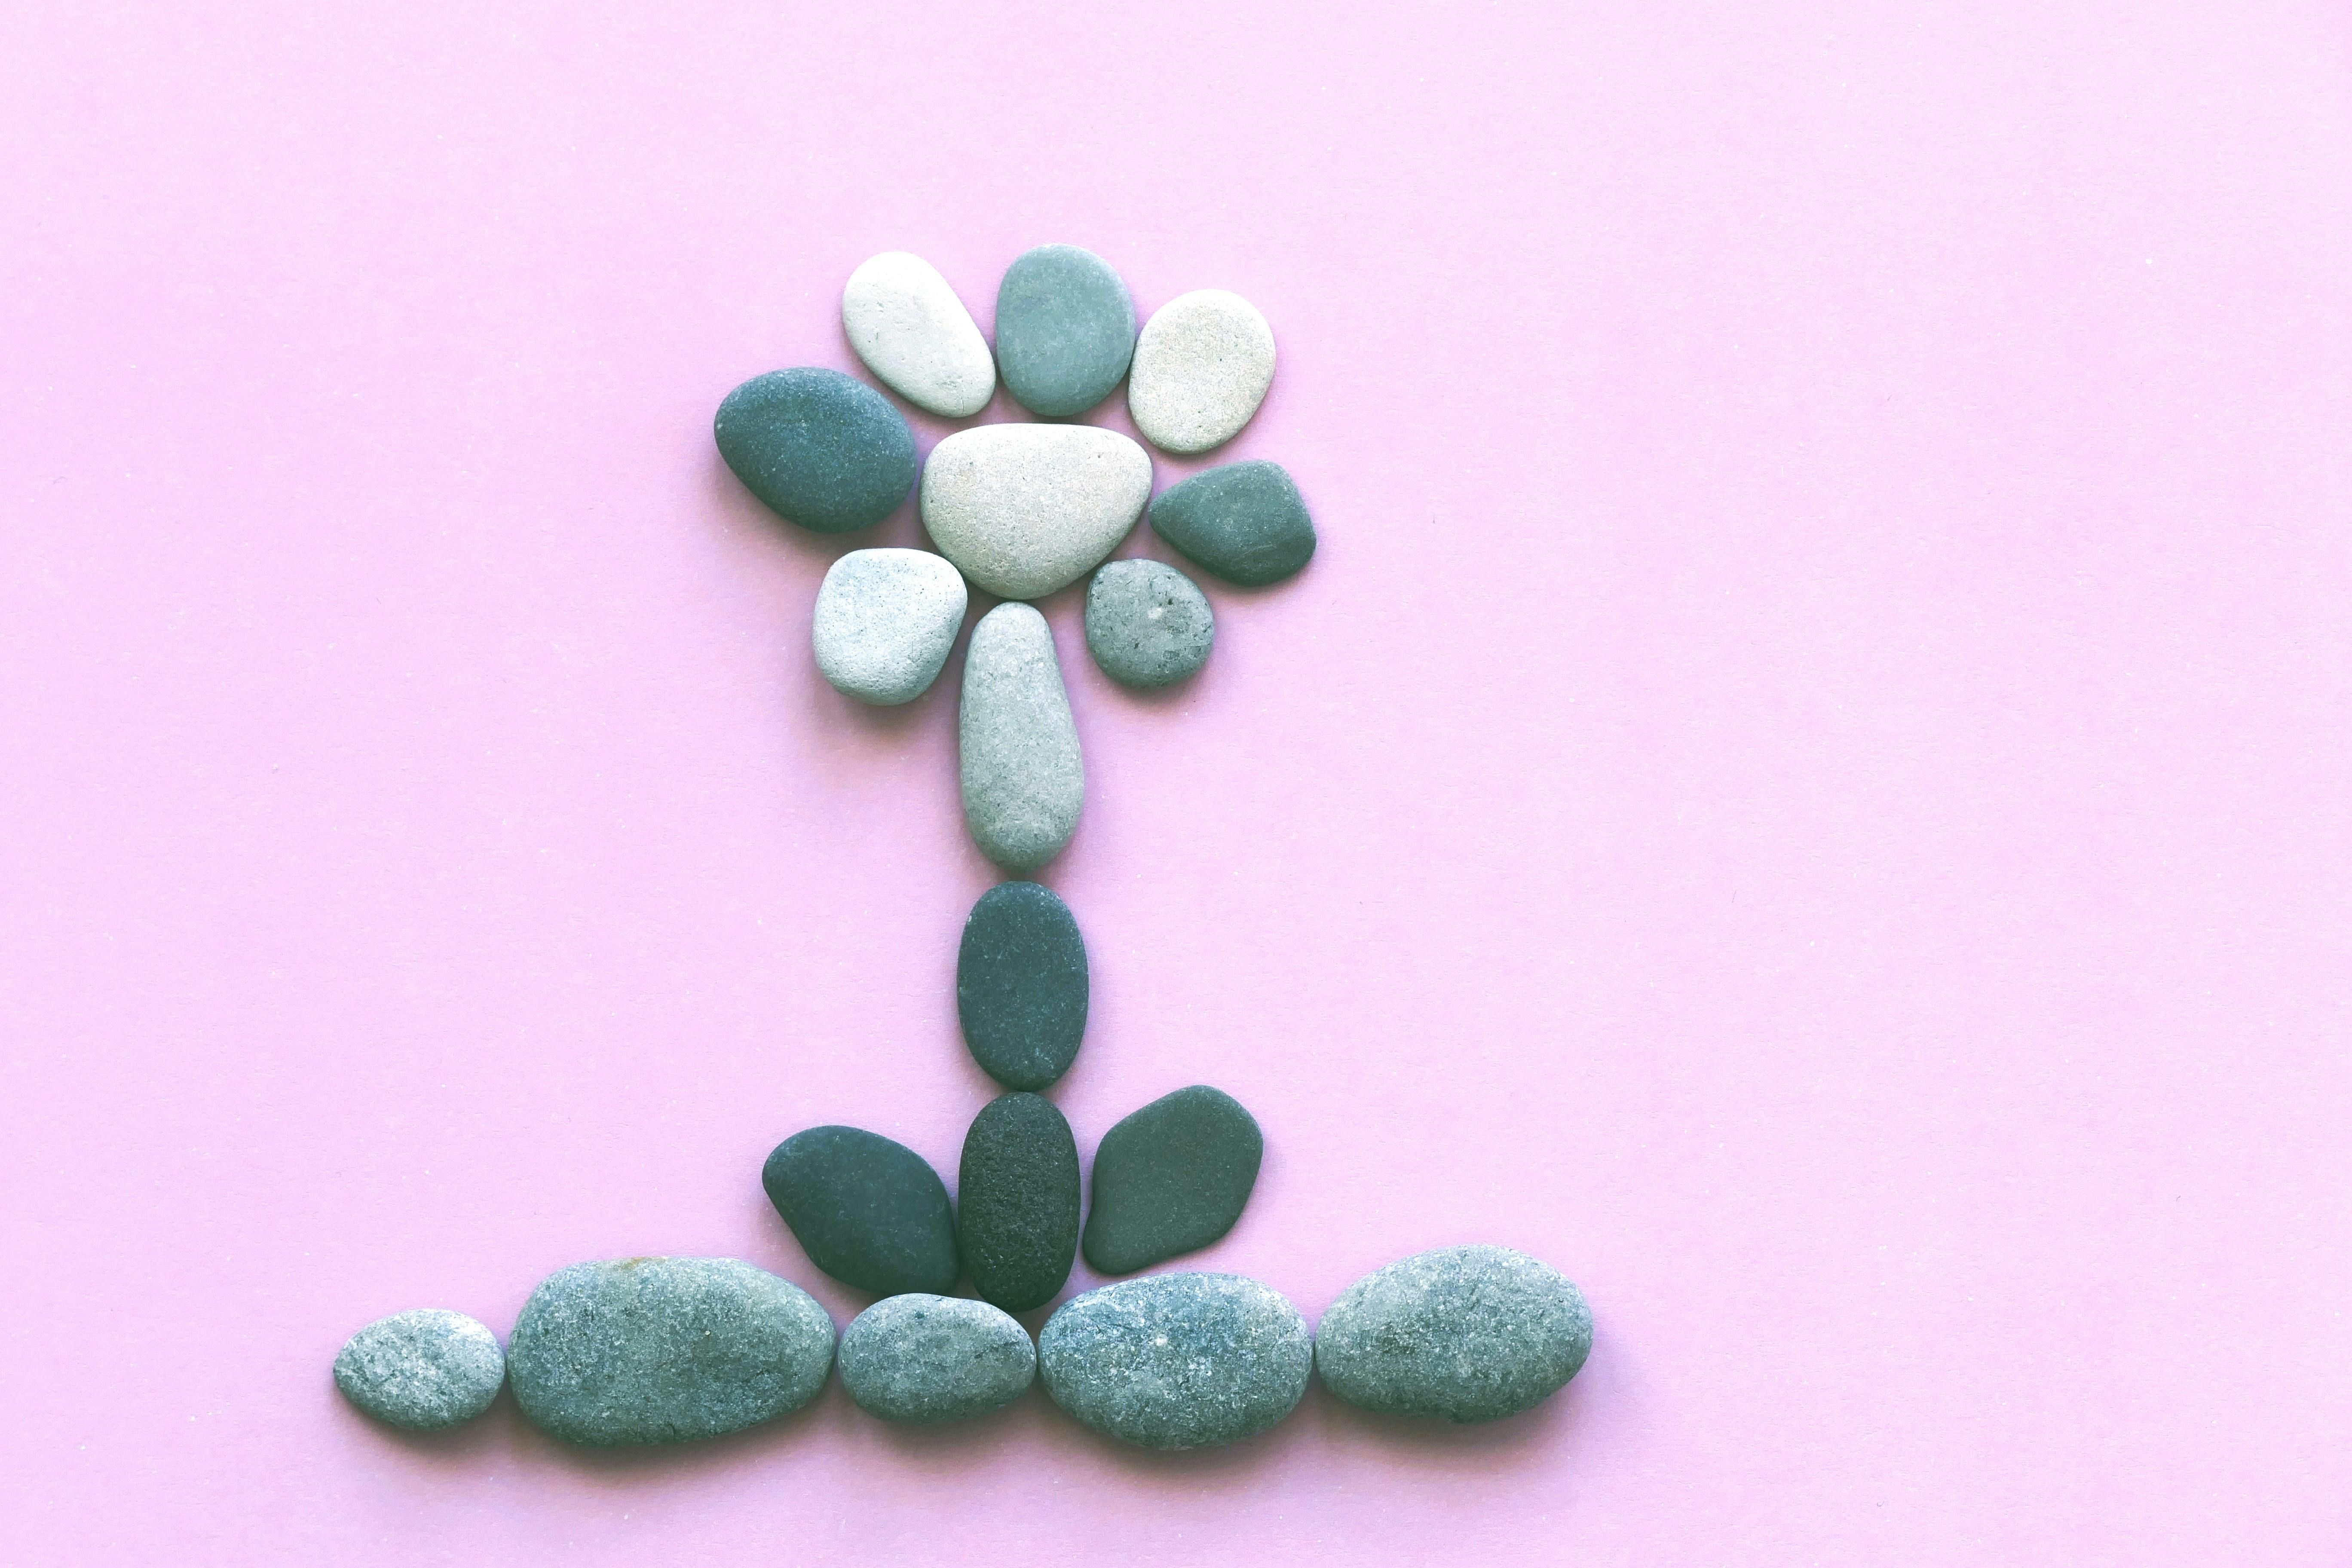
column 1017, row 1202
column 870, row 1212
column 821, row 448
column 1020, row 985
column 1246, row 522
column 1171, row 1179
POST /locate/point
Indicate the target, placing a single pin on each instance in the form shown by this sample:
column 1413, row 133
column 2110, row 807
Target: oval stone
column 911, row 331
column 1020, row 985
column 1465, row 1333
column 1246, row 522
column 1203, row 365
column 884, row 620
column 821, row 448
column 1177, row 1360
column 1026, row 508
column 1171, row 1179
column 1146, row 624
column 870, row 1212
column 426, row 1371
column 921, row 1359
column 1065, row 330
column 1017, row 748
column 1017, row 1202
column 666, row 1349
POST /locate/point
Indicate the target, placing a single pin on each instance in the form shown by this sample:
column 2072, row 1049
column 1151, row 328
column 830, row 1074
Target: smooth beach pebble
column 427, row 1369
column 921, row 1359
column 1146, row 623
column 1017, row 1202
column 1465, row 1333
column 909, row 328
column 1246, row 522
column 1017, row 749
column 1201, row 366
column 1171, row 1179
column 666, row 1349
column 870, row 1212
column 1020, row 985
column 884, row 620
column 1026, row 508
column 821, row 448
column 1065, row 331
column 1177, row 1360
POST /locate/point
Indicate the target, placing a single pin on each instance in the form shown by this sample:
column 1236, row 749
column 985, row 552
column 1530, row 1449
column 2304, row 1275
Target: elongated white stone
column 913, row 333
column 884, row 620
column 1028, row 509
column 1023, row 783
column 1201, row 367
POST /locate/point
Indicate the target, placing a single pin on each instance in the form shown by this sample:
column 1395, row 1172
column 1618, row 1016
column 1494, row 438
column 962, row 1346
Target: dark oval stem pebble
column 870, row 1212
column 1020, row 985
column 1171, row 1179
column 1017, row 1202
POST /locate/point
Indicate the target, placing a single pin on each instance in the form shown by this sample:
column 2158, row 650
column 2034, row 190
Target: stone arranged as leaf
column 1020, row 985
column 1017, row 1202
column 1171, row 1179
column 870, row 1212
column 821, row 448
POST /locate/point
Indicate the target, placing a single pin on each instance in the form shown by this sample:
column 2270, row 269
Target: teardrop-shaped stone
column 1171, row 1179
column 1023, row 783
column 1026, row 508
column 870, row 1212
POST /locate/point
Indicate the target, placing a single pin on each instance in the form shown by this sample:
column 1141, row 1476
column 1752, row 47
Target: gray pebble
column 921, row 1359
column 1023, row 783
column 1466, row 1333
column 1026, row 508
column 884, row 620
column 427, row 1370
column 666, row 1349
column 1146, row 624
column 1065, row 330
column 1201, row 366
column 1177, row 1360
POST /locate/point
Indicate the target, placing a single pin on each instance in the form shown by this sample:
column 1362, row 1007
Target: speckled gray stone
column 1146, row 624
column 1177, row 1360
column 1065, row 331
column 1017, row 1202
column 665, row 1349
column 1246, row 522
column 1024, row 781
column 1026, row 508
column 1201, row 366
column 909, row 328
column 821, row 448
column 427, row 1369
column 1465, row 1333
column 884, row 620
column 921, row 1359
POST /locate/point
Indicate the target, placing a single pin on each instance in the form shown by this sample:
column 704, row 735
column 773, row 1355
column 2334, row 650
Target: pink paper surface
column 1806, row 785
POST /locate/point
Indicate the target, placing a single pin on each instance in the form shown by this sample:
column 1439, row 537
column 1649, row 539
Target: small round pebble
column 1017, row 1202
column 665, row 1349
column 1463, row 1333
column 1026, row 508
column 1246, row 522
column 1171, row 1179
column 1020, row 985
column 1065, row 331
column 909, row 328
column 884, row 620
column 823, row 449
column 1146, row 624
column 921, row 1359
column 870, row 1212
column 425, row 1371
column 1201, row 366
column 1017, row 759
column 1177, row 1360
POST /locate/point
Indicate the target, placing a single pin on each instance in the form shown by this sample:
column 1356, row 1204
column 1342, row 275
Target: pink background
column 1807, row 784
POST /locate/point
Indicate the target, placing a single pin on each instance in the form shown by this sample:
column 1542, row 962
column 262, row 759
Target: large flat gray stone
column 1177, row 1360
column 921, row 1359
column 1463, row 1333
column 1024, row 510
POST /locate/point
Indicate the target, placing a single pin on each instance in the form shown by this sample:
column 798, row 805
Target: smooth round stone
column 1146, row 624
column 426, row 1371
column 1465, row 1333
column 1024, row 781
column 1246, row 522
column 1171, row 1179
column 822, row 449
column 1026, row 508
column 1065, row 330
column 666, row 1349
column 921, row 1359
column 1177, row 1360
column 1201, row 366
column 884, row 620
column 1017, row 1202
column 1020, row 985
column 911, row 331
column 870, row 1212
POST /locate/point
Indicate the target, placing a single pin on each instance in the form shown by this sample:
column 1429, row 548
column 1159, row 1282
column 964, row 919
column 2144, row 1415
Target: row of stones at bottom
column 666, row 1349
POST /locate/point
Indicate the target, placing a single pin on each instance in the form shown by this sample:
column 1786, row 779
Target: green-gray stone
column 1146, row 624
column 1065, row 331
column 1171, row 1179
column 1177, row 1360
column 870, row 1212
column 1020, row 985
column 1246, row 522
column 426, row 1371
column 921, row 1359
column 821, row 448
column 1463, row 1333
column 1017, row 1202
column 665, row 1349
